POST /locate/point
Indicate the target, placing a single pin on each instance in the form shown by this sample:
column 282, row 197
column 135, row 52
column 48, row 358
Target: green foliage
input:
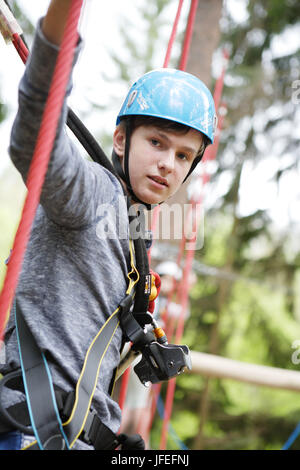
column 3, row 111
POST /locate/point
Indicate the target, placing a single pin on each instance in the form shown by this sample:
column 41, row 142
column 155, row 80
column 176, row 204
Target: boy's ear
column 119, row 139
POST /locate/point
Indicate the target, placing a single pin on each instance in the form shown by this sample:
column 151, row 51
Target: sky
column 99, row 28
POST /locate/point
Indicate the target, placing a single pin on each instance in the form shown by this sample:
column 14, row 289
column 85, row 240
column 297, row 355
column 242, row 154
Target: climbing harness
column 70, row 416
column 50, row 432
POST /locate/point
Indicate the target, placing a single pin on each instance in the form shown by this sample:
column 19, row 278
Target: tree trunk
column 205, row 39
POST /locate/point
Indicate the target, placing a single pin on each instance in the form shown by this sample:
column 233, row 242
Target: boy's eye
column 155, row 142
column 182, row 156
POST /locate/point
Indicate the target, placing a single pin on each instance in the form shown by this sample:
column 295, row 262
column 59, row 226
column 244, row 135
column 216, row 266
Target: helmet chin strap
column 124, row 175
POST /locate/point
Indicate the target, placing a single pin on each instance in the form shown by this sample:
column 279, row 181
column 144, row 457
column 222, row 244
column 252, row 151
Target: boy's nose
column 167, row 161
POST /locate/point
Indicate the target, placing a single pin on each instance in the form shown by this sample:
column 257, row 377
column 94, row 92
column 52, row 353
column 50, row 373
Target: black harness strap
column 88, row 141
column 124, row 174
column 142, row 291
column 98, row 155
column 38, row 386
column 15, row 416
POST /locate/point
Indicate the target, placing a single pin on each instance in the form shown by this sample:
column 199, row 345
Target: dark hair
column 165, row 124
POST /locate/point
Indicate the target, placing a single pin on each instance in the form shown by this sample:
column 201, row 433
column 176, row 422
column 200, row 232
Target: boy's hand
column 55, row 20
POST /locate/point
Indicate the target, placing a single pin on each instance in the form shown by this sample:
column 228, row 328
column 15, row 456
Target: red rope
column 20, row 47
column 173, row 35
column 188, row 35
column 184, row 291
column 41, row 156
column 179, row 332
column 172, row 383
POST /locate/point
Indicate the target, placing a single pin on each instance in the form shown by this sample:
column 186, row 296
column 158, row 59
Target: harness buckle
column 85, row 435
column 126, row 304
column 68, row 405
column 97, row 434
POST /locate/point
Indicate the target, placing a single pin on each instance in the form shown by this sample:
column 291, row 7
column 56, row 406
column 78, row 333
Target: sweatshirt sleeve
column 71, row 182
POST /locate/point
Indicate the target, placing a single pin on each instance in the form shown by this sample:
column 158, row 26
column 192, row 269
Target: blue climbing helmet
column 167, row 94
column 174, row 95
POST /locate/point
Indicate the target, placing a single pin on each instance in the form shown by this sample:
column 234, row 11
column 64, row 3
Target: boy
column 72, row 278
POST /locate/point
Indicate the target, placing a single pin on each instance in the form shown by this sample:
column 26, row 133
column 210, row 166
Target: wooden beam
column 221, row 367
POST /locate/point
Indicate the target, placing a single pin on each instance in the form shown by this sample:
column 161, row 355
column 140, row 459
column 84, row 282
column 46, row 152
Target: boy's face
column 159, row 160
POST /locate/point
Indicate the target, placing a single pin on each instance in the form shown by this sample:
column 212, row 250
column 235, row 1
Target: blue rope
column 292, row 437
column 171, row 430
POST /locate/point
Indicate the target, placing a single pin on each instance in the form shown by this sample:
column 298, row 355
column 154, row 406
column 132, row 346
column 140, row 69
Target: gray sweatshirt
column 75, row 270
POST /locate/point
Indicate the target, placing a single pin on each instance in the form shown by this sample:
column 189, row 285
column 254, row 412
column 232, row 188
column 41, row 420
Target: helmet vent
column 131, row 98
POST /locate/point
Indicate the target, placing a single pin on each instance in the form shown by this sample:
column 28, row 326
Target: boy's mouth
column 159, row 180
